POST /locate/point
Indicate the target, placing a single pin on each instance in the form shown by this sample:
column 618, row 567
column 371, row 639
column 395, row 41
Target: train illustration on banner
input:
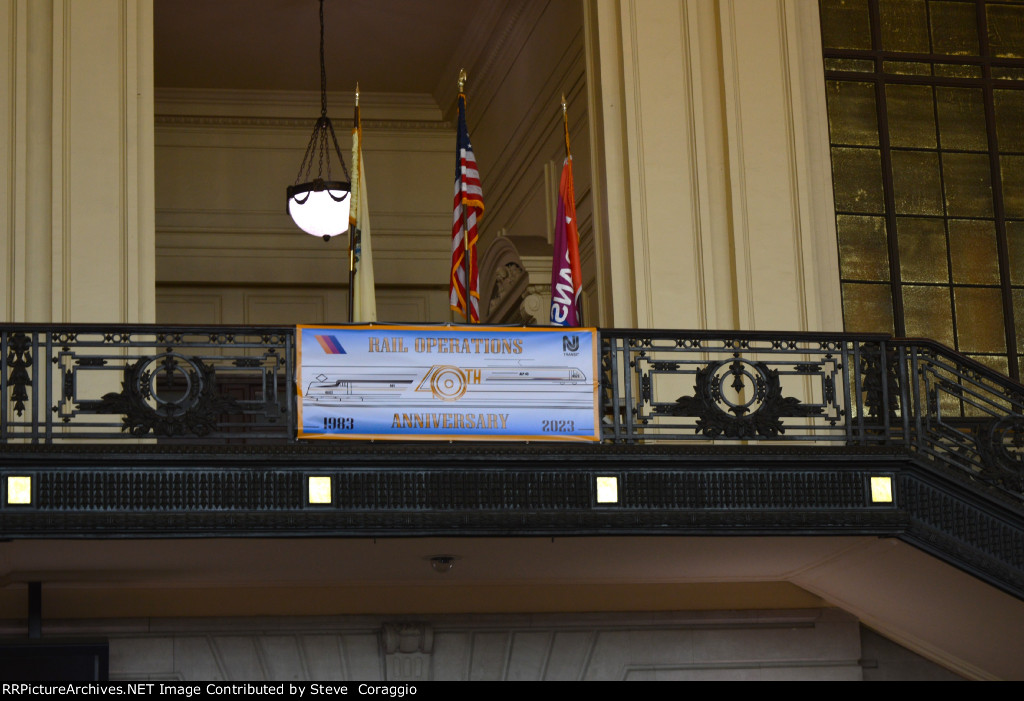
column 417, row 382
column 368, row 386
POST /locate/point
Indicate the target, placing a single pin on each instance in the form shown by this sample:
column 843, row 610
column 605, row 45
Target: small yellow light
column 19, row 489
column 607, row 490
column 881, row 490
column 320, row 490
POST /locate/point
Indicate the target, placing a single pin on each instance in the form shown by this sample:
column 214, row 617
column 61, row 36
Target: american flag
column 469, row 208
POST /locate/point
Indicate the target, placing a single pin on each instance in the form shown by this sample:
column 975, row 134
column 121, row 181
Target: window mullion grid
column 988, row 96
column 889, row 197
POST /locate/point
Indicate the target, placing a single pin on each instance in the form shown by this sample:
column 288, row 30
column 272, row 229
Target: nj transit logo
column 330, row 344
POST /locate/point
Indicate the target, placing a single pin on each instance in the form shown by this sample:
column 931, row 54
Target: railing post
column 906, row 410
column 43, row 373
column 291, row 370
column 915, row 407
column 883, row 376
column 610, row 378
column 4, row 398
column 628, row 370
column 849, row 400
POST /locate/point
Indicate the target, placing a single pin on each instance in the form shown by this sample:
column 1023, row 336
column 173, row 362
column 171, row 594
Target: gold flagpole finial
column 357, row 93
column 462, row 79
column 565, row 123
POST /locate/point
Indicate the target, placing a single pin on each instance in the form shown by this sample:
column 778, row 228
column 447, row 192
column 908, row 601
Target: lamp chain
column 323, row 129
column 323, row 70
column 323, row 102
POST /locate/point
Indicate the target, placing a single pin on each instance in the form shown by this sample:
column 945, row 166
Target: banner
column 447, row 383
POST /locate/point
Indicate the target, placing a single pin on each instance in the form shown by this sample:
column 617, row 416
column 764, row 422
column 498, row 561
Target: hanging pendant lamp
column 319, row 206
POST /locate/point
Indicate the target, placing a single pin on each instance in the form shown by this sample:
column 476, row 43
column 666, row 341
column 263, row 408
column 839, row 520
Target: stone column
column 77, row 160
column 712, row 171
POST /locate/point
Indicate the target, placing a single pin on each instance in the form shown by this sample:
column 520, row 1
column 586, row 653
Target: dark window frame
column 879, row 78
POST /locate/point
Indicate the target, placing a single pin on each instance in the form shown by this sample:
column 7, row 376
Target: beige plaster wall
column 816, row 644
column 76, row 165
column 710, row 140
column 515, row 120
column 227, row 252
column 704, row 122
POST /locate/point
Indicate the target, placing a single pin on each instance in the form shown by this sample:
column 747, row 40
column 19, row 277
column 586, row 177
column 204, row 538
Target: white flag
column 365, row 307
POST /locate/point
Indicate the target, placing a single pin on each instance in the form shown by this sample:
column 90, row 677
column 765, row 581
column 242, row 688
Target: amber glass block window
column 926, row 122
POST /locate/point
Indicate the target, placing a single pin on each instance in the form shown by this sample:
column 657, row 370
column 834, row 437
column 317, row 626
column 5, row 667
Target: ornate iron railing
column 853, row 389
column 173, row 383
column 706, row 385
column 958, row 412
column 234, row 384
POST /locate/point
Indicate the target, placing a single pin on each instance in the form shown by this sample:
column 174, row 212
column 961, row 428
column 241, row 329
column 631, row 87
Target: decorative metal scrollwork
column 664, row 366
column 752, row 408
column 187, row 403
column 645, row 388
column 874, row 381
column 1001, row 445
column 19, row 360
column 829, row 394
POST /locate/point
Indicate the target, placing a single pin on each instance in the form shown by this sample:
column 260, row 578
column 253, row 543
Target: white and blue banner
column 447, row 383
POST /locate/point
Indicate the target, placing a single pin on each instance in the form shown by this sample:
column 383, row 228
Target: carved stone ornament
column 753, row 407
column 407, row 637
column 535, row 307
column 187, row 403
column 407, row 649
column 505, row 280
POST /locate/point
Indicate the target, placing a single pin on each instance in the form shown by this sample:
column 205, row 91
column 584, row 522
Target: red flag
column 566, row 272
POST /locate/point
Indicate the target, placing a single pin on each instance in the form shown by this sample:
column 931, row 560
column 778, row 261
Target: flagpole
column 469, row 293
column 351, row 275
column 351, row 228
column 568, row 156
column 565, row 124
column 467, row 265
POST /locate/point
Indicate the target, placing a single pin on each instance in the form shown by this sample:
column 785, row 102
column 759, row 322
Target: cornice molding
column 493, row 47
column 234, row 122
column 287, row 103
column 277, row 109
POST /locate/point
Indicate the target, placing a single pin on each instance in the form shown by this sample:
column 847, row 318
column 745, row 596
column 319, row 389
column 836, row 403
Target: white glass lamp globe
column 320, row 208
